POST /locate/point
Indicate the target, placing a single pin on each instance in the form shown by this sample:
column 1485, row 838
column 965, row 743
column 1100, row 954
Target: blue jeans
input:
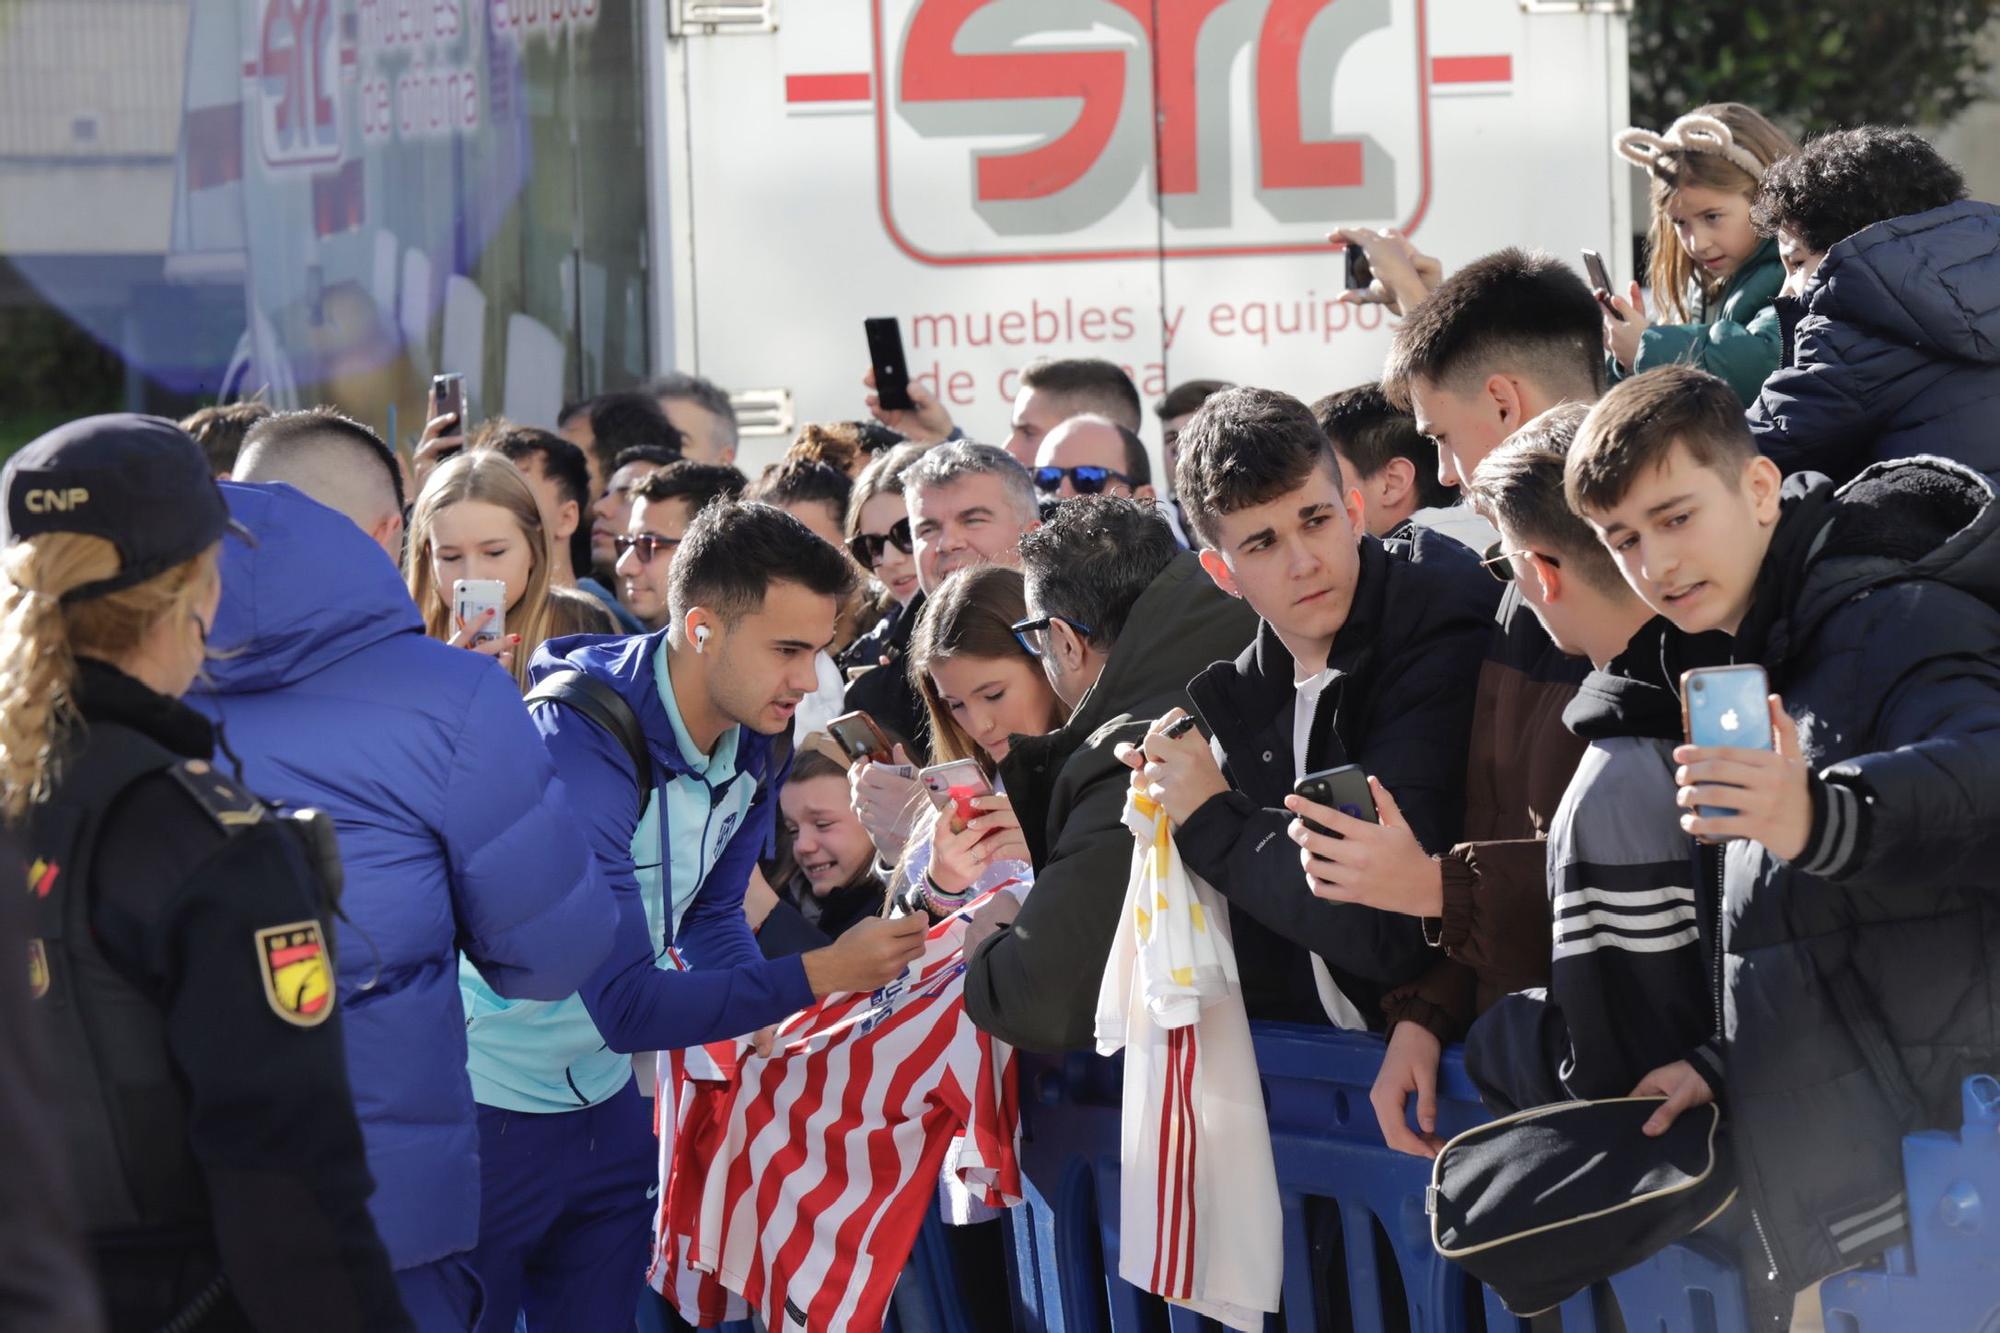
column 564, row 1217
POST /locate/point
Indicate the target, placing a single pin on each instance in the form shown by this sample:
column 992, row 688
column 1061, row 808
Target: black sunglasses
column 1499, row 561
column 1086, row 480
column 867, row 547
column 1032, row 634
column 648, row 546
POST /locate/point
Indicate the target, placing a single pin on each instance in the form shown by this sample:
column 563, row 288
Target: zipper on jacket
column 1712, row 856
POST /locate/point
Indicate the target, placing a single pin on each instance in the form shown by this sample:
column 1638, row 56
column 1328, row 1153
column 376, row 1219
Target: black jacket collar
column 106, row 694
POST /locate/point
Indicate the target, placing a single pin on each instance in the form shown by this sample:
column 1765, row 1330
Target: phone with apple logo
column 1726, row 706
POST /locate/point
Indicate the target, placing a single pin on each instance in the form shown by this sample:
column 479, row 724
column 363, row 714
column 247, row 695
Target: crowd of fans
column 1479, row 579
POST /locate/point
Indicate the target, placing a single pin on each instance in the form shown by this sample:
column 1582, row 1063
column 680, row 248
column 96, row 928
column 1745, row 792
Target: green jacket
column 1736, row 337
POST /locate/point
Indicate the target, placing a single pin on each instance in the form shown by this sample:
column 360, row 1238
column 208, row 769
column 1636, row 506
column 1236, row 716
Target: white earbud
column 701, row 638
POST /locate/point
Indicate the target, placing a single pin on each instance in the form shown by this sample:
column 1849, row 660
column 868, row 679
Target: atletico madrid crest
column 298, row 983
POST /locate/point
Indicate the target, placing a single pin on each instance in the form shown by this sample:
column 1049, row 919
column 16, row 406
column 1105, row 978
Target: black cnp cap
column 141, row 483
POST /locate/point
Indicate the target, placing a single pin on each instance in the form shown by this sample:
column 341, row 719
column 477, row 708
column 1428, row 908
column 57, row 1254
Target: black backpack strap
column 604, row 706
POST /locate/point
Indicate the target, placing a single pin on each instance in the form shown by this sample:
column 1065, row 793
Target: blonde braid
column 37, row 667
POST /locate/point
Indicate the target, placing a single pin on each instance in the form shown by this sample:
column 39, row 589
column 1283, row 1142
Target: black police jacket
column 182, row 971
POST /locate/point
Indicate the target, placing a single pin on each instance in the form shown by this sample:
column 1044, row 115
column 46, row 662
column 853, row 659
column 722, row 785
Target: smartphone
column 958, row 783
column 860, row 738
column 448, row 398
column 892, row 372
column 1726, row 706
column 1345, row 789
column 1600, row 281
column 470, row 597
column 1359, row 272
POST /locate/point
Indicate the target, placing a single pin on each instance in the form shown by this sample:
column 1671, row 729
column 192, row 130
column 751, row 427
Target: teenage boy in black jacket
column 1366, row 654
column 1861, row 924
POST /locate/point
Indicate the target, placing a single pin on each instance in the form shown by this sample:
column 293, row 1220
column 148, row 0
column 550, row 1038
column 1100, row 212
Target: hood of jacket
column 1927, row 280
column 626, row 663
column 1912, row 519
column 1633, row 695
column 314, row 590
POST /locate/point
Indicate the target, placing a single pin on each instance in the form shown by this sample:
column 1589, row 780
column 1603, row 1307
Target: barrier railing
column 1357, row 1240
column 1358, row 1255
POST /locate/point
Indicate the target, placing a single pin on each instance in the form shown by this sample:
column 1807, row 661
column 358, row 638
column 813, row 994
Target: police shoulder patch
column 298, row 981
column 227, row 804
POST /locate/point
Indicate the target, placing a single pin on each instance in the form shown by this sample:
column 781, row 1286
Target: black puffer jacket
column 1898, row 350
column 1862, row 980
column 1409, row 658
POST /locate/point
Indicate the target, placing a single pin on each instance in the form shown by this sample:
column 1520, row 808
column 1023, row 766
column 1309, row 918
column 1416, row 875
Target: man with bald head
column 338, row 462
column 454, row 837
column 1093, row 455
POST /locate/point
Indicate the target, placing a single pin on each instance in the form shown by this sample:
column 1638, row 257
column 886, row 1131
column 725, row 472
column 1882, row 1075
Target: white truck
column 1148, row 181
column 555, row 197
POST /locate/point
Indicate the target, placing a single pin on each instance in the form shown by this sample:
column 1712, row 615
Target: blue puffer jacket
column 1898, row 353
column 454, row 834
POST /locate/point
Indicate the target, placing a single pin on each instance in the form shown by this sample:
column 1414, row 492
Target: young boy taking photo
column 1854, row 858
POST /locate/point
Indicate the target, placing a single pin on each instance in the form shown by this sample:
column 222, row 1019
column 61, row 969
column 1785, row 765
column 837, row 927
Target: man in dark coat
column 1854, row 858
column 1897, row 277
column 1366, row 653
column 1122, row 619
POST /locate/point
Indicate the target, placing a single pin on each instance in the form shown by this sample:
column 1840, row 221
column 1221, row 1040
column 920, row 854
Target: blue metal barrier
column 1340, row 1186
column 1948, row 1276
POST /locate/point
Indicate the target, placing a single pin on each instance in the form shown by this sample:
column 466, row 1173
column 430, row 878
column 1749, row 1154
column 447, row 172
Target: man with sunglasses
column 1093, row 455
column 664, row 505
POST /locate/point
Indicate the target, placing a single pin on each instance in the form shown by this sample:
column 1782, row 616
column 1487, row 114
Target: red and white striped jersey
column 800, row 1181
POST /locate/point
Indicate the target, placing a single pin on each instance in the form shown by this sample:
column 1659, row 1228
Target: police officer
column 179, row 960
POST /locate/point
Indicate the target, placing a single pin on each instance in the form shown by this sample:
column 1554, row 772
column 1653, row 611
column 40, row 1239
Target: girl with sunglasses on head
column 477, row 519
column 980, row 688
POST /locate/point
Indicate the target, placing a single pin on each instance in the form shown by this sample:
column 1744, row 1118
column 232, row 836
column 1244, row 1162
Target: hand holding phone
column 1359, row 273
column 892, row 369
column 1600, row 283
column 859, row 737
column 474, row 599
column 1725, row 707
column 1344, row 789
column 956, row 785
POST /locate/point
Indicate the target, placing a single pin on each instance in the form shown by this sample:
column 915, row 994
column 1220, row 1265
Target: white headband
column 1689, row 134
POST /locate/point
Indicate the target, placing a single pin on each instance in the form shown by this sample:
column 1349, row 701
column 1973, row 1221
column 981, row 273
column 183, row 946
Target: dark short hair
column 802, row 481
column 1187, row 396
column 1509, row 311
column 282, row 432
column 1634, row 428
column 1093, row 558
column 561, row 462
column 1087, row 384
column 700, row 484
column 1520, row 486
column 703, row 393
column 644, row 453
column 1368, row 431
column 1246, row 447
column 735, row 550
column 621, row 421
column 220, row 430
column 1849, row 179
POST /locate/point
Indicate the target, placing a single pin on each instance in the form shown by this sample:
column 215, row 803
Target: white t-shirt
column 1340, row 1010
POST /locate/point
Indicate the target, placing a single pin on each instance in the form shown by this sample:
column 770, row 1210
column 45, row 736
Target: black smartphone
column 448, row 397
column 1359, row 272
column 1345, row 789
column 892, row 372
column 1600, row 281
column 860, row 738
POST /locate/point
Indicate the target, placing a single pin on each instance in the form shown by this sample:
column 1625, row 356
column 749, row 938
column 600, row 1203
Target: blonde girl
column 477, row 519
column 1713, row 276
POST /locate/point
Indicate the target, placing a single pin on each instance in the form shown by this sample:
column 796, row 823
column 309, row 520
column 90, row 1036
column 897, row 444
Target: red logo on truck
column 1132, row 133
